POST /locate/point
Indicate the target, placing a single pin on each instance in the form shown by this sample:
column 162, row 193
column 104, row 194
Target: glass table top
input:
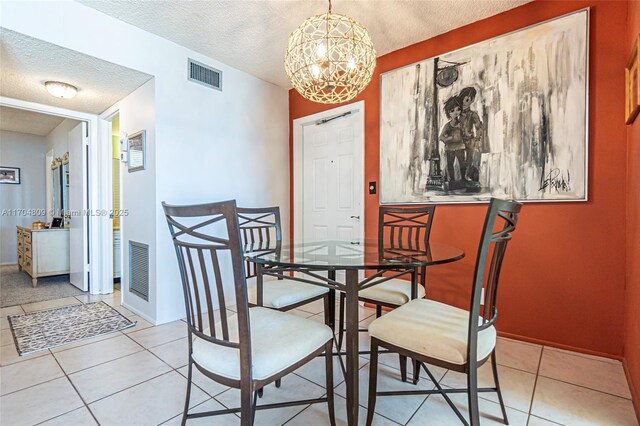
column 360, row 254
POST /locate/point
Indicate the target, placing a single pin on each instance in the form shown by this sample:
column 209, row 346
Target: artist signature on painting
column 557, row 180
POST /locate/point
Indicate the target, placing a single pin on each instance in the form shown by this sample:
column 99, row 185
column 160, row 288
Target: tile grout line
column 77, row 392
column 586, row 387
column 102, row 363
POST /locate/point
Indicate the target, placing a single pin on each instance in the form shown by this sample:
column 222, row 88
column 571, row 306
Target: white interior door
column 333, row 174
column 78, row 261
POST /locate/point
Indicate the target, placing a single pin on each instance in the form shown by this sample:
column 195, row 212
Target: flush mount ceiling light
column 330, row 58
column 60, row 89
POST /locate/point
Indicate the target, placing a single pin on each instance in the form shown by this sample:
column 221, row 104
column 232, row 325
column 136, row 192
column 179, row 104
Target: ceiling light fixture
column 60, row 89
column 330, row 58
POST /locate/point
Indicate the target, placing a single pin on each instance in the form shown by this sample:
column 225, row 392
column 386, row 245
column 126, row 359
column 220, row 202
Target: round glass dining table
column 333, row 255
column 304, row 260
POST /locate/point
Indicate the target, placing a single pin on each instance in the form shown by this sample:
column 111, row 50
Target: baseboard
column 9, row 263
column 635, row 396
column 559, row 346
column 138, row 313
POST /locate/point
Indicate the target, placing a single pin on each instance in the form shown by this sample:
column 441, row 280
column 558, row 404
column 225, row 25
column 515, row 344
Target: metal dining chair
column 254, row 346
column 446, row 336
column 401, row 231
column 260, row 231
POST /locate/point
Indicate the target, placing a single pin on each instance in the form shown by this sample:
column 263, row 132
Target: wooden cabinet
column 43, row 252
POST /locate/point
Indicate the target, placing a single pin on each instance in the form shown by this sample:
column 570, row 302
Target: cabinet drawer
column 27, row 249
column 20, row 245
column 27, row 237
column 20, row 258
column 27, row 265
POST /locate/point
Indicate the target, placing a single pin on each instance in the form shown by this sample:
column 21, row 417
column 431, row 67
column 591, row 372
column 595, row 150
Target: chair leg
column 341, row 322
column 472, row 389
column 416, row 371
column 328, row 356
column 378, row 311
column 373, row 379
column 403, row 367
column 247, row 398
column 253, row 407
column 330, row 309
column 494, row 367
column 186, row 402
column 260, row 392
column 327, row 311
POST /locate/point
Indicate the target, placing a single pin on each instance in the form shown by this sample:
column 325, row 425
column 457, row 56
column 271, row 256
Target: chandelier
column 330, row 58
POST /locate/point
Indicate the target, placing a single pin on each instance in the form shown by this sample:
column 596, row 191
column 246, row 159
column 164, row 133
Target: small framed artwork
column 137, row 151
column 632, row 84
column 10, row 175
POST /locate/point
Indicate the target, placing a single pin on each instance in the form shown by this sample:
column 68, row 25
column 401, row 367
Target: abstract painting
column 506, row 118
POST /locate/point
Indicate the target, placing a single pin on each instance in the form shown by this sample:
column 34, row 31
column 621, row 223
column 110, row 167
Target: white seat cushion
column 395, row 291
column 278, row 340
column 433, row 329
column 279, row 294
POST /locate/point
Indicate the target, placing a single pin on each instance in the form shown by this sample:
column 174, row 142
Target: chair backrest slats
column 187, row 287
column 207, row 289
column 222, row 304
column 405, row 230
column 196, row 294
column 503, row 215
column 201, row 234
column 260, row 228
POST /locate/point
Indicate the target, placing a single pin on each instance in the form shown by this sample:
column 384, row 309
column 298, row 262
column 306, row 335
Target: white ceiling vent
column 205, row 75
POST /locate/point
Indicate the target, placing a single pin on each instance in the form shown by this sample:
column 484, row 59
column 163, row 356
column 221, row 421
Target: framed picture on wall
column 506, row 117
column 137, row 151
column 10, row 175
column 632, row 84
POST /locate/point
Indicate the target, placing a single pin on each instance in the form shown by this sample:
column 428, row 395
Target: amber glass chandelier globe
column 330, row 58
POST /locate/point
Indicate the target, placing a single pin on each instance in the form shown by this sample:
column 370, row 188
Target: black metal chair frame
column 408, row 233
column 208, row 246
column 256, row 224
column 485, row 309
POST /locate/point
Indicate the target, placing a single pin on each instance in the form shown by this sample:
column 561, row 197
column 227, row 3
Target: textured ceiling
column 23, row 121
column 251, row 35
column 28, row 62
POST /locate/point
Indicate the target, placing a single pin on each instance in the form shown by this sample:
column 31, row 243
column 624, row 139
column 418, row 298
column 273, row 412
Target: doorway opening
column 328, row 162
column 44, row 245
column 116, row 202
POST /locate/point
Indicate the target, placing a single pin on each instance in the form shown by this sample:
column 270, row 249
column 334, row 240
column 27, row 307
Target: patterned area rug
column 16, row 289
column 42, row 330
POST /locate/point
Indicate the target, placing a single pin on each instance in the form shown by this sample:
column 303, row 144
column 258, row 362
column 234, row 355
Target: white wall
column 28, row 153
column 58, row 139
column 137, row 112
column 229, row 144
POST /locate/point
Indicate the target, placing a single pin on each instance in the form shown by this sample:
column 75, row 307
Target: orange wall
column 632, row 296
column 563, row 279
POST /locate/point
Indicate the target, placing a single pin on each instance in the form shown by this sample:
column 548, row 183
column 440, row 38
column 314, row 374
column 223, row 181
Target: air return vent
column 205, row 75
column 139, row 269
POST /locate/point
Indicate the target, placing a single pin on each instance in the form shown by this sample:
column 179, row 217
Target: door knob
column 355, row 217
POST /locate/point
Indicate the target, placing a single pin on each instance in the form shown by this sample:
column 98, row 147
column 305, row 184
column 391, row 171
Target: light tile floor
column 137, row 377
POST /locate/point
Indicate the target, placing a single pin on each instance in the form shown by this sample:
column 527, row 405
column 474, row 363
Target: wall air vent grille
column 139, row 269
column 205, row 75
